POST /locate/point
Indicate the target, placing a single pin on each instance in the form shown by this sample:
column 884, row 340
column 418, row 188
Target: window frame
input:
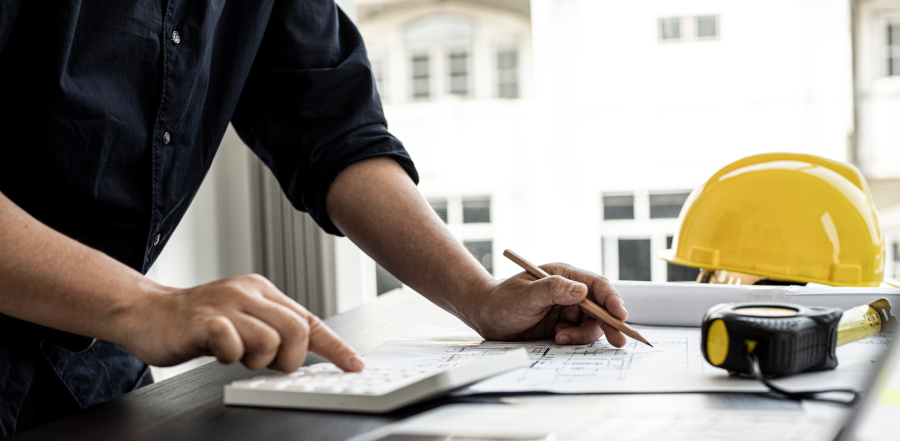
column 645, row 246
column 688, row 26
column 447, row 55
column 476, row 199
column 414, row 78
column 606, row 216
column 514, row 72
column 716, row 22
column 891, row 42
column 658, row 194
column 660, row 29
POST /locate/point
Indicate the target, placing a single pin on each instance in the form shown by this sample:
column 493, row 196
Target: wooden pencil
column 586, row 305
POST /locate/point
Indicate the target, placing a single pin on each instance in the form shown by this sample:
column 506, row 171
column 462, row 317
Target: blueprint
column 673, row 364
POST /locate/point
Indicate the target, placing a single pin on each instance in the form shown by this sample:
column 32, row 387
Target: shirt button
column 156, row 239
column 167, row 138
column 176, row 37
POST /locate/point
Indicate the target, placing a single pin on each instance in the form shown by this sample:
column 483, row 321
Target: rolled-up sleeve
column 310, row 108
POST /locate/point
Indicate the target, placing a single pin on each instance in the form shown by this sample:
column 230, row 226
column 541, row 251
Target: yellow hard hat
column 783, row 216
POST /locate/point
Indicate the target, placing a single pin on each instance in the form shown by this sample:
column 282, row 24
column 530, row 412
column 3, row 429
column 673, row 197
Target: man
column 111, row 114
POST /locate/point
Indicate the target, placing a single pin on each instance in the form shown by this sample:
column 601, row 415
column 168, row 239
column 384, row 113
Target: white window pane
column 618, row 207
column 420, row 66
column 459, row 85
column 421, row 82
column 459, row 73
column 507, row 60
column 634, row 259
column 476, row 210
column 508, row 73
column 510, row 90
column 666, row 205
column 670, row 28
column 459, row 62
column 893, row 49
column 707, row 26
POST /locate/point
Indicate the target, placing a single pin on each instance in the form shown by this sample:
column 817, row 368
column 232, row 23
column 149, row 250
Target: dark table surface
column 189, row 406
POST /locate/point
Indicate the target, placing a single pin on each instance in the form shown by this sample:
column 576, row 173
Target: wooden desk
column 189, row 406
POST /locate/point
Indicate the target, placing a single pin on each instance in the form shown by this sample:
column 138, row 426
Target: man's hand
column 522, row 308
column 52, row 280
column 244, row 319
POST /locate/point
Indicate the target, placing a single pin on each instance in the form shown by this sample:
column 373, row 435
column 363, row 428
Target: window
column 706, row 27
column 893, row 48
column 666, row 205
column 618, row 207
column 459, row 73
column 385, row 281
column 440, row 207
column 696, row 28
column 476, row 210
column 508, row 73
column 634, row 259
column 679, row 273
column 483, row 250
column 421, row 81
column 670, row 29
column 439, row 47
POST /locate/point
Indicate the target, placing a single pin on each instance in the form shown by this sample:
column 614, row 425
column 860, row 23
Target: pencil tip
column 648, row 344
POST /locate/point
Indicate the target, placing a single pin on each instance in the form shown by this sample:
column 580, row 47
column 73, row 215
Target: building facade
column 582, row 125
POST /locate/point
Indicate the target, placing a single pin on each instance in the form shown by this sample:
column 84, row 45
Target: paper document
column 684, row 303
column 588, row 420
column 593, row 420
column 674, row 364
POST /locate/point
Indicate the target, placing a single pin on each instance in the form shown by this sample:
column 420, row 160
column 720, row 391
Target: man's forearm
column 52, row 280
column 377, row 205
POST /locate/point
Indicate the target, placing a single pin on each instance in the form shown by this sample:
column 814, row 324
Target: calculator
column 324, row 386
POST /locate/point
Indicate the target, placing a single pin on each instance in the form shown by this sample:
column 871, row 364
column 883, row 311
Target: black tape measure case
column 786, row 338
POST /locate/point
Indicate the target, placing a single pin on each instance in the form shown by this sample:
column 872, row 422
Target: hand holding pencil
column 587, row 305
column 529, row 306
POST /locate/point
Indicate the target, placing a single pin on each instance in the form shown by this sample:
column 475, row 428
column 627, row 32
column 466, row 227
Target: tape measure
column 786, row 338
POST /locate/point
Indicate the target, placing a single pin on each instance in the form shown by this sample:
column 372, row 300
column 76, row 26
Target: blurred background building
column 573, row 130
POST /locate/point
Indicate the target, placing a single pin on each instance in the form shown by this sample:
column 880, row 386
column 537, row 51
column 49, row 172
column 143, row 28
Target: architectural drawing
column 673, row 364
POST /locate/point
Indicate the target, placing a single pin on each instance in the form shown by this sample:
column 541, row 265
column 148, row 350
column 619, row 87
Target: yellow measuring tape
column 786, row 338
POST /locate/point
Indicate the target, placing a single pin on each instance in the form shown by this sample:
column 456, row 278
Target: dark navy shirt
column 112, row 110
